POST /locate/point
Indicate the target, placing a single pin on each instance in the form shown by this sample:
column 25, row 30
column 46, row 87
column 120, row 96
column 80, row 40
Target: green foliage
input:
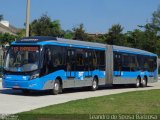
column 79, row 33
column 151, row 40
column 22, row 33
column 7, row 38
column 115, row 35
column 44, row 26
column 68, row 34
column 96, row 38
column 155, row 24
column 146, row 40
column 135, row 39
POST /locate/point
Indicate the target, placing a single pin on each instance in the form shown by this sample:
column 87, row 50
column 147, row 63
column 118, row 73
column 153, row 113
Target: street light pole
column 27, row 17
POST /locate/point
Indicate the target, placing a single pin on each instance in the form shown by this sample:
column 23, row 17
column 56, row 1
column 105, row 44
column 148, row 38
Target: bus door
column 90, row 62
column 71, row 63
column 86, row 64
column 117, row 64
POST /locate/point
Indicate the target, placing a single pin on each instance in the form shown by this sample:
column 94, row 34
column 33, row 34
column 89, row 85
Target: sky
column 96, row 15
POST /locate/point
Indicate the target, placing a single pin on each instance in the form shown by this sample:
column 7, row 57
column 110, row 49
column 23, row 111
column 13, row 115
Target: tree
column 136, row 39
column 155, row 23
column 7, row 38
column 22, row 33
column 152, row 33
column 151, row 39
column 79, row 33
column 115, row 35
column 44, row 26
column 68, row 34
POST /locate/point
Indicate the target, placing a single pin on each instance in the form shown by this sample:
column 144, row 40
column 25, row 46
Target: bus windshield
column 22, row 58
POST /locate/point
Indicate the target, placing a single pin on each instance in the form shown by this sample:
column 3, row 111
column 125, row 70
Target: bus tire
column 138, row 82
column 144, row 82
column 94, row 84
column 56, row 88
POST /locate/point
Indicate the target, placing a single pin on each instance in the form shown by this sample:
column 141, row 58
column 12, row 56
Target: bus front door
column 71, row 63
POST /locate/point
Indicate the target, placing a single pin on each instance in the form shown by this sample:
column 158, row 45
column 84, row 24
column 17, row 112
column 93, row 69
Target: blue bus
column 48, row 63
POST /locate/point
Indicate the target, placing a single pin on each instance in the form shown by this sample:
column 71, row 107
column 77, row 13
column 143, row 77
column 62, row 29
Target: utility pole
column 27, row 17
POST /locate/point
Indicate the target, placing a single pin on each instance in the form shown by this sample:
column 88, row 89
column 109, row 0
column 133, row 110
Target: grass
column 139, row 102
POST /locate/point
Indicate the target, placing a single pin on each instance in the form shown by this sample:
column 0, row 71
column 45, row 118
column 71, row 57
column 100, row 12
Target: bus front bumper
column 29, row 84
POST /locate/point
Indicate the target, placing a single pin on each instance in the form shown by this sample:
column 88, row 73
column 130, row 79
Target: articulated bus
column 48, row 63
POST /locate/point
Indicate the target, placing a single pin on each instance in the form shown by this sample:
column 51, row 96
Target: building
column 5, row 27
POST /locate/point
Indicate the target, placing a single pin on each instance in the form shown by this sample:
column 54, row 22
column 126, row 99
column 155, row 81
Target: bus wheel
column 138, row 81
column 56, row 88
column 94, row 84
column 144, row 82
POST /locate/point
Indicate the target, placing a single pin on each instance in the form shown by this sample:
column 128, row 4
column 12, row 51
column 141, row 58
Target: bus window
column 101, row 60
column 152, row 64
column 90, row 62
column 117, row 61
column 94, row 59
column 80, row 59
column 126, row 62
column 25, row 58
column 70, row 60
column 140, row 61
column 57, row 58
column 155, row 63
column 133, row 63
column 145, row 63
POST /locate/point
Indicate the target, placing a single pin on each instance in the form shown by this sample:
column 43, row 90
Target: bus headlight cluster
column 3, row 76
column 34, row 76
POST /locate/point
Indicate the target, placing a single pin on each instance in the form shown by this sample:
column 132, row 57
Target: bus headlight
column 34, row 76
column 3, row 77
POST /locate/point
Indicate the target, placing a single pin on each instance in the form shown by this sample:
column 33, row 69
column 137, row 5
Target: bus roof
column 58, row 41
column 132, row 50
column 43, row 40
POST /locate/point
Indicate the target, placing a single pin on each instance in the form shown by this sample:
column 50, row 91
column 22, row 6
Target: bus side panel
column 128, row 67
column 81, row 79
column 126, row 77
column 49, row 79
column 153, row 76
column 101, row 76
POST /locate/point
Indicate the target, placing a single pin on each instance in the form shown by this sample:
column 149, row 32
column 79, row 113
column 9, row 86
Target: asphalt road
column 13, row 101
